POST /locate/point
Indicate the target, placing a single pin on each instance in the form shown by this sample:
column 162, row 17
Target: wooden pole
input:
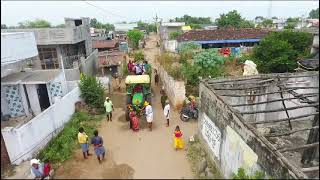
column 285, row 119
column 310, row 169
column 276, row 100
column 309, row 154
column 284, row 105
column 299, row 147
column 290, row 132
column 277, row 110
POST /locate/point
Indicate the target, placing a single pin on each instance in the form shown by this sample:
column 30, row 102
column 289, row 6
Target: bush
column 138, row 56
column 61, row 147
column 134, row 36
column 205, row 64
column 241, row 174
column 279, row 51
column 188, row 50
column 174, row 35
column 92, row 91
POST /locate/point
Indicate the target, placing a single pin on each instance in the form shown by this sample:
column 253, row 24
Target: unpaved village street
column 142, row 154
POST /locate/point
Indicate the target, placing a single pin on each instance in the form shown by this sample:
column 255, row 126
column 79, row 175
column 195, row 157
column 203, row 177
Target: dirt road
column 142, row 154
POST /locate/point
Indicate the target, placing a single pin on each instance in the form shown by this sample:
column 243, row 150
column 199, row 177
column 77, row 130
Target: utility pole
column 156, row 23
column 64, row 73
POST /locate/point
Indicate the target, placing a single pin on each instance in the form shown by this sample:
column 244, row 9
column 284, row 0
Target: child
column 178, row 141
column 83, row 141
column 98, row 146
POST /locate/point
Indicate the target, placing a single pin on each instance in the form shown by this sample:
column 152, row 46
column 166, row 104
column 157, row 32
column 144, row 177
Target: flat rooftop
column 30, row 77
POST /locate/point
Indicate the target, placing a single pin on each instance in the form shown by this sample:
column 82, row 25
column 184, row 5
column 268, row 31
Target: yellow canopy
column 137, row 79
column 185, row 28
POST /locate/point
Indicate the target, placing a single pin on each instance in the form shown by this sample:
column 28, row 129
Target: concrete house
column 35, row 103
column 71, row 43
column 167, row 27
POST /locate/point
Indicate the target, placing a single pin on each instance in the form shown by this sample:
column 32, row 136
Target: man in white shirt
column 166, row 111
column 149, row 114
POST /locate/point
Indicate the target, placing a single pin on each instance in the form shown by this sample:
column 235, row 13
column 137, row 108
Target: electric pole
column 156, row 23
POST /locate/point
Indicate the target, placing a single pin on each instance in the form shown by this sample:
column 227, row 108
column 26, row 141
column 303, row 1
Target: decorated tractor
column 138, row 91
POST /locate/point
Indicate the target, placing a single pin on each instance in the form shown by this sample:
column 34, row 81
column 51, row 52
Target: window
column 48, row 58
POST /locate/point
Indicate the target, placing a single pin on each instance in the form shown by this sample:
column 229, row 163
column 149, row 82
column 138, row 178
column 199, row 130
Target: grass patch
column 7, row 171
column 194, row 157
column 62, row 147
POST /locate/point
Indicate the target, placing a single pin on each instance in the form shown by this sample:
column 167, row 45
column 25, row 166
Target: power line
column 104, row 10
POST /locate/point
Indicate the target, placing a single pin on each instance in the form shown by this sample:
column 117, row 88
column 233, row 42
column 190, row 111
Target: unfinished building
column 268, row 122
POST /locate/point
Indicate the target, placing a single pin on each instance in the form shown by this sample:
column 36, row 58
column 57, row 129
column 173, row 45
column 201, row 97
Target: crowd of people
column 139, row 68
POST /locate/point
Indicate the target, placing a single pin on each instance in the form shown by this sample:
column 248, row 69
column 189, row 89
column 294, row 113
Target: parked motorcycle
column 187, row 113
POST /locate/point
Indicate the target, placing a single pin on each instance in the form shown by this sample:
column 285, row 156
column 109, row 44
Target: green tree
column 174, row 35
column 279, row 51
column 192, row 20
column 60, row 26
column 267, row 23
column 241, row 174
column 291, row 23
column 148, row 27
column 38, row 23
column 98, row 25
column 195, row 26
column 92, row 91
column 314, row 14
column 233, row 19
column 134, row 37
column 206, row 63
column 3, row 26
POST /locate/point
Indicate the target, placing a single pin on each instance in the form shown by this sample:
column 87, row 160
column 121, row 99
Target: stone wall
column 174, row 89
column 234, row 144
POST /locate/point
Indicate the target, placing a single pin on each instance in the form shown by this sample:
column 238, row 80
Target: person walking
column 156, row 78
column 83, row 141
column 149, row 114
column 97, row 143
column 109, row 108
column 166, row 111
column 164, row 97
column 178, row 141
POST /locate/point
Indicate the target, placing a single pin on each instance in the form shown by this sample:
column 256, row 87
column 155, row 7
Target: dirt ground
column 142, row 154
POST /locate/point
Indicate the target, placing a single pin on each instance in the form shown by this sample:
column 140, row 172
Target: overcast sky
column 13, row 12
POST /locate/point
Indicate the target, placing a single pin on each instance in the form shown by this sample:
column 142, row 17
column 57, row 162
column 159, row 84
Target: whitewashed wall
column 26, row 141
column 17, row 46
column 171, row 46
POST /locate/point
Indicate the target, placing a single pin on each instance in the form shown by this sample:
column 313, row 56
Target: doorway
column 43, row 96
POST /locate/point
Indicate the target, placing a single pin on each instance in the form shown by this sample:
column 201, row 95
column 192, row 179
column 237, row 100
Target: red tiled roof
column 110, row 58
column 103, row 44
column 222, row 34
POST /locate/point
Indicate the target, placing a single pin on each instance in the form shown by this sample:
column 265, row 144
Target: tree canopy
column 134, row 37
column 174, row 35
column 291, row 23
column 267, row 23
column 38, row 23
column 148, row 27
column 96, row 24
column 279, row 51
column 314, row 13
column 233, row 19
column 3, row 26
column 193, row 20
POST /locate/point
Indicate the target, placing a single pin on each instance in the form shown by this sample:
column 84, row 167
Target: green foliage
column 174, row 35
column 314, row 14
column 195, row 26
column 267, row 23
column 233, row 19
column 96, row 24
column 61, row 147
column 38, row 23
column 3, row 26
column 134, row 37
column 291, row 23
column 60, row 26
column 138, row 56
column 241, row 174
column 188, row 50
column 170, row 63
column 206, row 63
column 92, row 91
column 192, row 20
column 148, row 27
column 279, row 51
